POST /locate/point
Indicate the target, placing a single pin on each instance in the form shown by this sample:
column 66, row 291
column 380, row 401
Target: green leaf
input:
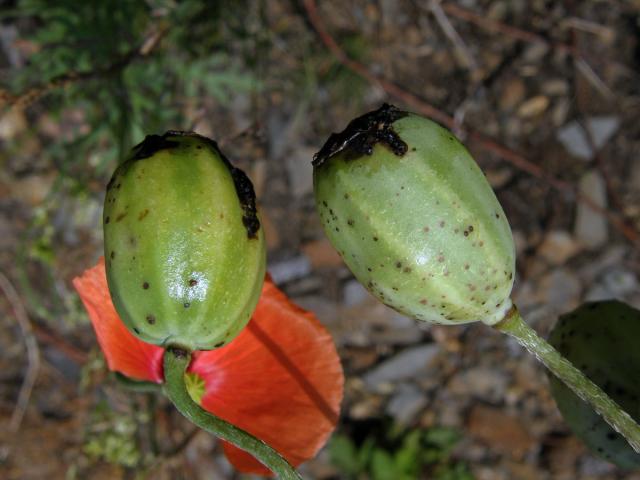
column 383, row 467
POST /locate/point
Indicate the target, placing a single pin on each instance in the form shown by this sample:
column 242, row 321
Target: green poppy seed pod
column 185, row 254
column 601, row 339
column 415, row 219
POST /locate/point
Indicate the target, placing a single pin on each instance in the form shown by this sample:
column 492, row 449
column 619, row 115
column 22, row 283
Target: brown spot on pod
column 145, row 285
column 151, row 319
column 193, row 282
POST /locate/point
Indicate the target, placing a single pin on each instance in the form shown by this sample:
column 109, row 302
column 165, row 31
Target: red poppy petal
column 123, row 351
column 280, row 380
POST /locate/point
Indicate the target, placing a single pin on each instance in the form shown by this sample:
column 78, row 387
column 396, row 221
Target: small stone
column 590, row 226
column 486, row 383
column 602, row 129
column 291, row 269
column 560, row 112
column 558, row 246
column 498, row 178
column 574, row 138
column 560, row 289
column 406, row 364
column 366, row 408
column 618, row 283
column 533, row 107
column 12, row 123
column 406, row 403
column 512, row 94
column 535, row 52
column 621, row 282
column 499, row 430
column 556, row 86
column 353, row 293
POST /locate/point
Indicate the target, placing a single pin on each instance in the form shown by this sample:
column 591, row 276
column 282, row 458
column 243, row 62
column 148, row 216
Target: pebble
column 406, row 403
column 617, row 283
column 558, row 246
column 353, row 293
column 500, row 431
column 290, row 269
column 512, row 94
column 486, row 383
column 409, row 363
column 560, row 289
column 533, row 107
column 575, row 140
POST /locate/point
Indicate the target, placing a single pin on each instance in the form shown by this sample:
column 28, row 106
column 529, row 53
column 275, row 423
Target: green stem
column 515, row 326
column 176, row 361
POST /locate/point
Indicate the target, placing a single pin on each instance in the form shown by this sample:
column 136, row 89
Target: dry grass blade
column 33, row 352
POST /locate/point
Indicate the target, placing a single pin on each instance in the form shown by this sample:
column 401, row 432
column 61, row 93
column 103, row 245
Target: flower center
column 195, row 386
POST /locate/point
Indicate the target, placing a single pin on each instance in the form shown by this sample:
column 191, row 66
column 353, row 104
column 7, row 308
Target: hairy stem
column 176, row 361
column 515, row 326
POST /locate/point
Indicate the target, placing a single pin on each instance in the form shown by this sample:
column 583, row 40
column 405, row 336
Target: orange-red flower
column 280, row 379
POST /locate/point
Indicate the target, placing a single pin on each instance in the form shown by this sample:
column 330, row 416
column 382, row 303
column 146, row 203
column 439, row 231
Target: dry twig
column 454, row 37
column 33, row 352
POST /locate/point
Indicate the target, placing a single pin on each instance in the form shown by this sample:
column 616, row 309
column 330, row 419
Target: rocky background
column 545, row 94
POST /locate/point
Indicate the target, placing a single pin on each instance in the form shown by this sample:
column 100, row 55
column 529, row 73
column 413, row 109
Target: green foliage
column 399, row 454
column 125, row 99
column 111, row 437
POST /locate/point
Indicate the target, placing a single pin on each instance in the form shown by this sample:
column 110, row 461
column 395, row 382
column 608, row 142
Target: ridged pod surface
column 185, row 254
column 415, row 219
column 601, row 339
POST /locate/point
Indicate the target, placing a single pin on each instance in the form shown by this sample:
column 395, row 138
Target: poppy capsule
column 415, row 219
column 185, row 254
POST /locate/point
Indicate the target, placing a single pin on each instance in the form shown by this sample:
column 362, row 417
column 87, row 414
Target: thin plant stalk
column 515, row 326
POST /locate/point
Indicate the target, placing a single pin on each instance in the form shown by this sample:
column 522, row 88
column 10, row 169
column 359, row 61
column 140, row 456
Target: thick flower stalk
column 280, row 380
